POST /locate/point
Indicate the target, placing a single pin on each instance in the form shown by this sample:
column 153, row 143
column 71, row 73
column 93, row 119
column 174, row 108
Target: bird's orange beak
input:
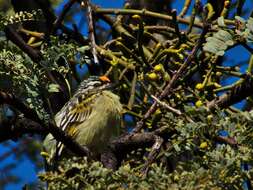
column 104, row 78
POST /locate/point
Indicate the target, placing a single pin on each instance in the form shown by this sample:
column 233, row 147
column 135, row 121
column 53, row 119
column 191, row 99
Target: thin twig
column 163, row 104
column 144, row 13
column 187, row 4
column 132, row 93
column 152, row 154
column 193, row 16
column 65, row 10
column 239, row 6
column 140, row 40
column 237, row 94
column 174, row 79
column 175, row 23
column 91, row 29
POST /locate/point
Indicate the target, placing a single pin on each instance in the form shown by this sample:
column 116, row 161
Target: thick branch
column 237, row 94
column 130, row 142
column 12, row 35
column 10, row 99
column 35, row 125
column 22, row 126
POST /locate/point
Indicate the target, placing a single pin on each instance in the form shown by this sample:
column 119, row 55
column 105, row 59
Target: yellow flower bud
column 210, row 118
column 152, row 76
column 180, row 56
column 218, row 73
column 226, row 4
column 44, row 154
column 199, row 86
column 176, row 177
column 145, row 99
column 237, row 68
column 149, row 125
column 199, row 103
column 184, row 46
column 125, row 86
column 178, row 95
column 158, row 67
column 136, row 16
column 166, row 77
column 216, row 85
column 158, row 45
column 158, row 111
column 203, row 145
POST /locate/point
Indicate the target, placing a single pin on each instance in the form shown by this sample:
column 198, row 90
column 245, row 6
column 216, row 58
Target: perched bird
column 92, row 117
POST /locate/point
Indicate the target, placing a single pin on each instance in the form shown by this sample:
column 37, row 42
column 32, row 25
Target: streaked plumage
column 92, row 117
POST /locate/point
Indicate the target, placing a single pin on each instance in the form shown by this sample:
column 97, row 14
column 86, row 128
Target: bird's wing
column 75, row 111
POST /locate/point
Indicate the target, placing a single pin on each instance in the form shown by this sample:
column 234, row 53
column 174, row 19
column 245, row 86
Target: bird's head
column 95, row 83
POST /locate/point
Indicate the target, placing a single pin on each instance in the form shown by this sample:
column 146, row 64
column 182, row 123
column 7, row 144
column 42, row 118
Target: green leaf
column 53, row 88
column 221, row 21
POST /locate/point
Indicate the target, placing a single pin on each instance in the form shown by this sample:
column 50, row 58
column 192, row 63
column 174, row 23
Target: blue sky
column 26, row 170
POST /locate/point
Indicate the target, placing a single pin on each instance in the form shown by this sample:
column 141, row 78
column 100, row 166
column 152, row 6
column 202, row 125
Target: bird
column 92, row 117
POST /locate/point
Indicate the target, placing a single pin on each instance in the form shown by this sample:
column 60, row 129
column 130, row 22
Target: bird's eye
column 97, row 84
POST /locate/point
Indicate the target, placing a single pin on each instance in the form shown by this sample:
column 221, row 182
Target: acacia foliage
column 197, row 162
column 170, row 72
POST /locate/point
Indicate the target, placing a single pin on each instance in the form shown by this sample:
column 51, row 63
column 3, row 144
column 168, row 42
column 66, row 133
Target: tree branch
column 35, row 125
column 10, row 99
column 172, row 82
column 237, row 94
column 12, row 35
column 61, row 17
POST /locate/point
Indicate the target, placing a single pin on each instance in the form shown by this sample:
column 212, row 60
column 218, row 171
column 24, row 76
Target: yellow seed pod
column 145, row 99
column 176, row 177
column 136, row 16
column 216, row 85
column 203, row 145
column 158, row 45
column 199, row 103
column 44, row 154
column 149, row 125
column 226, row 4
column 178, row 96
column 114, row 61
column 199, row 86
column 152, row 76
column 158, row 111
column 237, row 69
column 218, row 73
column 180, row 56
column 166, row 77
column 209, row 117
column 158, row 67
column 125, row 86
column 184, row 46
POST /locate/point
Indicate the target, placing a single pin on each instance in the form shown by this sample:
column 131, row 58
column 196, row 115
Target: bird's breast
column 103, row 123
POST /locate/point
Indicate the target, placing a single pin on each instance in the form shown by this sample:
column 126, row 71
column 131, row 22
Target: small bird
column 92, row 117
